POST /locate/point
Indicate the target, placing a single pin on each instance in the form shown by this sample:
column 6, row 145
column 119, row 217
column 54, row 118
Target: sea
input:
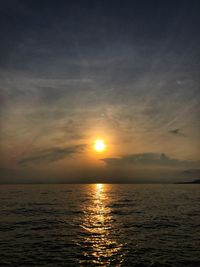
column 100, row 225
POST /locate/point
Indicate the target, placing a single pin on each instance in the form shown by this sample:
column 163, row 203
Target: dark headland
column 192, row 182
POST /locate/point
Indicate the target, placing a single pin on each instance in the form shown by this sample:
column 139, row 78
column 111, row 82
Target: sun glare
column 99, row 145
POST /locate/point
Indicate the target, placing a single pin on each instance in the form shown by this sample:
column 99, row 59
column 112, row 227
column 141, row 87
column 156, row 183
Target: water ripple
column 100, row 225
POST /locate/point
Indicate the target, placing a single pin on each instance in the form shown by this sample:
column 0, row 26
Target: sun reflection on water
column 99, row 188
column 99, row 244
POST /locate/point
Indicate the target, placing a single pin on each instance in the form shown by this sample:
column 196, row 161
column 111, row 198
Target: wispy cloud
column 52, row 154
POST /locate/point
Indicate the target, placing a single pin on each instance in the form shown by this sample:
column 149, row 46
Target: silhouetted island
column 192, row 182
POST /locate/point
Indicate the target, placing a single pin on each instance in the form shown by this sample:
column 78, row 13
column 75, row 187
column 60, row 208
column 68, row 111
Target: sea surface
column 100, row 225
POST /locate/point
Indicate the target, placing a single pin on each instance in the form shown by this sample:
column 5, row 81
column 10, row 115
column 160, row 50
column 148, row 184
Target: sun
column 99, row 145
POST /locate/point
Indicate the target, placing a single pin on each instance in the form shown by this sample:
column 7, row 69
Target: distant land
column 192, row 182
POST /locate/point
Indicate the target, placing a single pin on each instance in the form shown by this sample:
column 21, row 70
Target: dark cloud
column 145, row 159
column 52, row 154
column 192, row 172
column 177, row 132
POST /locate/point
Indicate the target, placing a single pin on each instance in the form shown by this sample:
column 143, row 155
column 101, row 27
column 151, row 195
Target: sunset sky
column 125, row 72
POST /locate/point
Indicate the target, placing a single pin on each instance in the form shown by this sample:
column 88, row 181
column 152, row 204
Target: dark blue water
column 100, row 225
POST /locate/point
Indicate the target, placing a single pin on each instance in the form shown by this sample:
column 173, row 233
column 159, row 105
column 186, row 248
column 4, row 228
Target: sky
column 74, row 71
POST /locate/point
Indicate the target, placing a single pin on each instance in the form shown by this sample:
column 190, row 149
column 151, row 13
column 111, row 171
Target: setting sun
column 99, row 145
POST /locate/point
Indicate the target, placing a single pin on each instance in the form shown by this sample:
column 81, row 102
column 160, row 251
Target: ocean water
column 100, row 225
